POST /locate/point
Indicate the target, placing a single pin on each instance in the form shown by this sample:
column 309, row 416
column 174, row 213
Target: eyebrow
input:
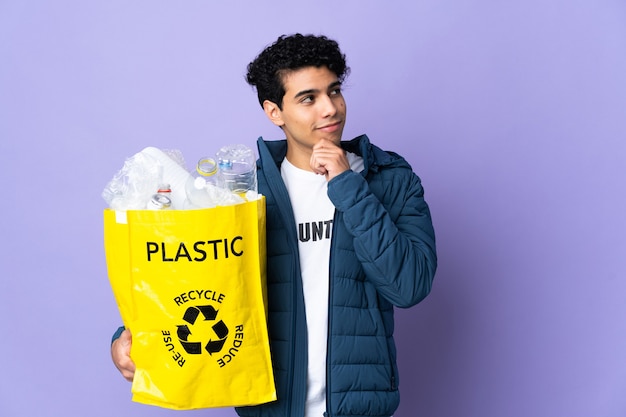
column 314, row 91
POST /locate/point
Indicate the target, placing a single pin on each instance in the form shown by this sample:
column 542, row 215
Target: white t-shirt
column 314, row 214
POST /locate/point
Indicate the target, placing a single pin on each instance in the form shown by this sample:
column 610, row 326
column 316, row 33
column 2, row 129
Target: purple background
column 513, row 114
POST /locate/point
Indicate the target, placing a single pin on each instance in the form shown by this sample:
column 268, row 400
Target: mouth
column 331, row 127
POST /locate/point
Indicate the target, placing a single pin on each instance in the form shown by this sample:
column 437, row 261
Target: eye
column 307, row 99
column 336, row 92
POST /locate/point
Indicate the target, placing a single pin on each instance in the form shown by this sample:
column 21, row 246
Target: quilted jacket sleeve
column 392, row 231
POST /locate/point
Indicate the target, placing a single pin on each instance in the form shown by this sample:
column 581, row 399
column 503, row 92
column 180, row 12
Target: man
column 349, row 236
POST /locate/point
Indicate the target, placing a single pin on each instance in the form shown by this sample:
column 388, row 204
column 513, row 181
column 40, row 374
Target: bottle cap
column 159, row 202
column 206, row 167
column 164, row 188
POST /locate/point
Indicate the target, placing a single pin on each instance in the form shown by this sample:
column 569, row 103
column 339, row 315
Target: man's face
column 313, row 108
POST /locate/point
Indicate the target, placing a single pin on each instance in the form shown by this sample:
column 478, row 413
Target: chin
column 336, row 137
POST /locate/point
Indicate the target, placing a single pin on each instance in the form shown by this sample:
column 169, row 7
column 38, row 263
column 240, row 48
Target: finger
column 317, row 164
column 128, row 371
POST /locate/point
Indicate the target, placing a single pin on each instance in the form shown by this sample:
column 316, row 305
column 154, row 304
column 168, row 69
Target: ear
column 272, row 111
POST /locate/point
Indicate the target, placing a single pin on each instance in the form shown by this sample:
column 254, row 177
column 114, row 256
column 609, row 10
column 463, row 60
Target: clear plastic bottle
column 237, row 168
column 162, row 200
column 203, row 185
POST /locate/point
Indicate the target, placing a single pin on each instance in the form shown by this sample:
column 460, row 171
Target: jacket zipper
column 330, row 316
column 292, row 350
column 284, row 195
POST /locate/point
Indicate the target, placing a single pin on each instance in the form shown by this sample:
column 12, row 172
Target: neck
column 299, row 156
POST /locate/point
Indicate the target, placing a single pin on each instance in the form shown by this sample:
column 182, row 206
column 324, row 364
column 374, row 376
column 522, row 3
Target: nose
column 329, row 107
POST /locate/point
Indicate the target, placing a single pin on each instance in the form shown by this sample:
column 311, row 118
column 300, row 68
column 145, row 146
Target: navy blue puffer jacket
column 383, row 255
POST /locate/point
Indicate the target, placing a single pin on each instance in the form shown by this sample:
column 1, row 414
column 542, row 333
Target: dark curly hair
column 291, row 53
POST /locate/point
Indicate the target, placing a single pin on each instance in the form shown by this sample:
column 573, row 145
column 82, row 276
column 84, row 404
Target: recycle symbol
column 219, row 329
